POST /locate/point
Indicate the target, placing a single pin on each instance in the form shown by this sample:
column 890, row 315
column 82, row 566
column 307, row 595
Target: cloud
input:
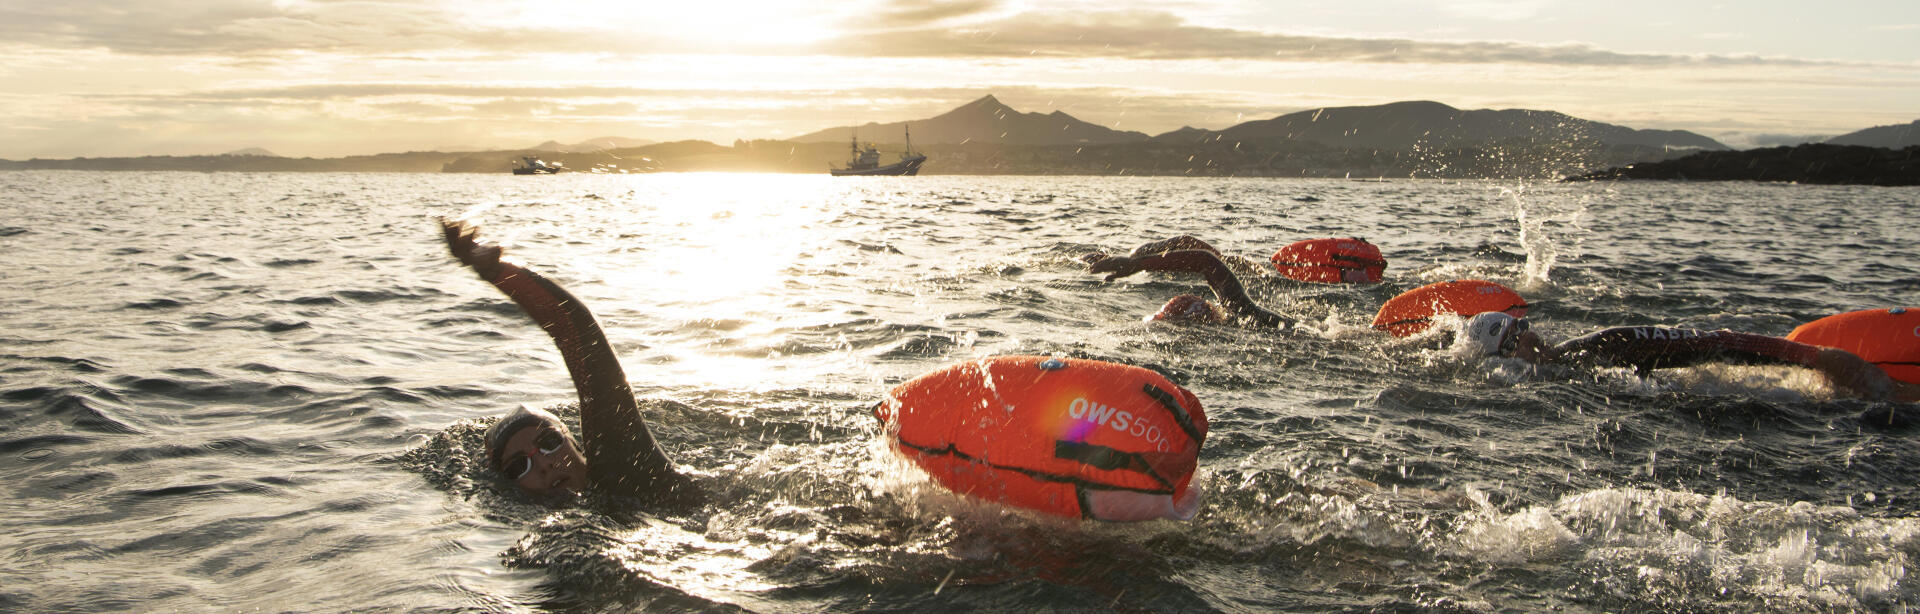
column 896, row 29
column 909, row 13
column 227, row 27
column 1157, row 35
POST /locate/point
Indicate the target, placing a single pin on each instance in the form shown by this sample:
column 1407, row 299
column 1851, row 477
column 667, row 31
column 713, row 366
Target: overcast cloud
column 900, row 29
column 336, row 77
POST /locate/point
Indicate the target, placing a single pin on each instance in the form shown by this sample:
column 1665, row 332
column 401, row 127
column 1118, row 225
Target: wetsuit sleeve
column 622, row 456
column 1649, row 347
column 1173, row 244
column 1226, row 287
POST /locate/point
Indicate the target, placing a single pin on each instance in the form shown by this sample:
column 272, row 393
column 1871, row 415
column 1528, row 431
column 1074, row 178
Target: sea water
column 263, row 391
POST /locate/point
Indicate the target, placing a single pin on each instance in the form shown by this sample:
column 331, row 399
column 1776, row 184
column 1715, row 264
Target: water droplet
column 1052, row 364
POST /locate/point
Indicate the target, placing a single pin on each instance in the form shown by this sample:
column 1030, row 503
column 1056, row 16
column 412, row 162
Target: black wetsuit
column 622, row 457
column 1226, row 287
column 1646, row 348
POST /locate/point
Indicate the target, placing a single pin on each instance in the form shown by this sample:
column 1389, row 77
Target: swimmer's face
column 544, row 461
column 1527, row 346
column 1188, row 308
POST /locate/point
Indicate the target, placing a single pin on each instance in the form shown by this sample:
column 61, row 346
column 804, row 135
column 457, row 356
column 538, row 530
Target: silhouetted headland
column 1811, row 163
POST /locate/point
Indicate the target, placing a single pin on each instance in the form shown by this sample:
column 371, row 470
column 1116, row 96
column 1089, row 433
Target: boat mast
column 909, row 129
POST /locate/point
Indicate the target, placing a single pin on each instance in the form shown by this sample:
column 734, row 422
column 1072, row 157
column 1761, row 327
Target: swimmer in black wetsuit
column 1240, row 265
column 1352, row 269
column 1646, row 348
column 532, row 447
column 1234, row 302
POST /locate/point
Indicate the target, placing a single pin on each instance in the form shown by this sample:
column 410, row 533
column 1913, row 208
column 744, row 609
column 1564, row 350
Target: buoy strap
column 954, row 451
column 1180, row 415
column 1426, row 319
column 1350, row 261
column 1107, row 459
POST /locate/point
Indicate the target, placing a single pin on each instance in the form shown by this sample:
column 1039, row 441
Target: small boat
column 530, row 165
column 867, row 162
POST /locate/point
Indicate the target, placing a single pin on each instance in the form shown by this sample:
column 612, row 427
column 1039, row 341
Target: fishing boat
column 867, row 161
column 530, row 165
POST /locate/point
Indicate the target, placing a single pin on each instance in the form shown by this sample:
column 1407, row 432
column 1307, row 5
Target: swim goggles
column 1510, row 340
column 547, row 440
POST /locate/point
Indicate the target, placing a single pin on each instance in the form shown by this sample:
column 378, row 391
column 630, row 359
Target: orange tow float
column 1889, row 338
column 1060, row 436
column 1413, row 310
column 1331, row 261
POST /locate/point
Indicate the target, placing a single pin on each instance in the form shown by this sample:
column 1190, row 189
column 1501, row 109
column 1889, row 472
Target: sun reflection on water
column 721, row 268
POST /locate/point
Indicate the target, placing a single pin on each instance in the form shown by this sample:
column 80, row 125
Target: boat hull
column 910, row 166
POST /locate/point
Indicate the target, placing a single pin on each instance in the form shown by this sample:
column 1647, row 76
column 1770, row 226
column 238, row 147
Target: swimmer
column 1652, row 347
column 532, row 448
column 1347, row 260
column 1234, row 304
column 1240, row 265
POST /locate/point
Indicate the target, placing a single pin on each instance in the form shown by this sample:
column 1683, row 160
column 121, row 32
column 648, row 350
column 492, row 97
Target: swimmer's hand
column 463, row 241
column 1115, row 266
column 1854, row 374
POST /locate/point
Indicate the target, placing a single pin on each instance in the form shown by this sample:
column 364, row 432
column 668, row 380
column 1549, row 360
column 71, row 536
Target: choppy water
column 259, row 391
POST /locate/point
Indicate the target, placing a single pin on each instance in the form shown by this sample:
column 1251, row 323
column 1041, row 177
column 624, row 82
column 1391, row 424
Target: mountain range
column 1406, row 125
column 985, row 136
column 1398, row 126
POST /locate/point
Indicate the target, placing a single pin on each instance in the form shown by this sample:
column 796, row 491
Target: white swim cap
column 1483, row 334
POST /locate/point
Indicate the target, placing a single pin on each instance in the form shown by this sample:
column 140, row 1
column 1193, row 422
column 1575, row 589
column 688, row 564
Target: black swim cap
column 504, row 428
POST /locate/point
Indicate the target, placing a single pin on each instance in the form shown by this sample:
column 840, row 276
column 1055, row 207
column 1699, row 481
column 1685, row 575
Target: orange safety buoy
column 1413, row 310
column 1331, row 261
column 1060, row 436
column 1889, row 338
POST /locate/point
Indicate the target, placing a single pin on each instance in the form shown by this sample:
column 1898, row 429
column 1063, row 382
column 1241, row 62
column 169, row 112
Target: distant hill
column 1811, row 163
column 1897, row 136
column 605, row 143
column 251, row 151
column 982, row 121
column 1425, row 124
column 410, row 162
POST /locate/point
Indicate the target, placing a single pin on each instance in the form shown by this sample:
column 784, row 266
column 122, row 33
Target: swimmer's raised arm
column 1173, row 244
column 1226, row 287
column 619, row 448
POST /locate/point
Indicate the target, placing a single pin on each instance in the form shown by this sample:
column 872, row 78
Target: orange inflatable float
column 1889, row 338
column 1331, row 261
column 1060, row 436
column 1413, row 310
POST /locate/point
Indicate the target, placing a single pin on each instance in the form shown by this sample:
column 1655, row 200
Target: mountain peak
column 984, row 104
column 986, row 120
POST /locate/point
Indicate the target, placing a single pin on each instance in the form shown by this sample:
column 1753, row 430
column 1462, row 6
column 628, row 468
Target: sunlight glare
column 718, row 267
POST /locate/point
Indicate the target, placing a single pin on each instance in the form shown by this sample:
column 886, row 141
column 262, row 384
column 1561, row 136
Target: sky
column 329, row 78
